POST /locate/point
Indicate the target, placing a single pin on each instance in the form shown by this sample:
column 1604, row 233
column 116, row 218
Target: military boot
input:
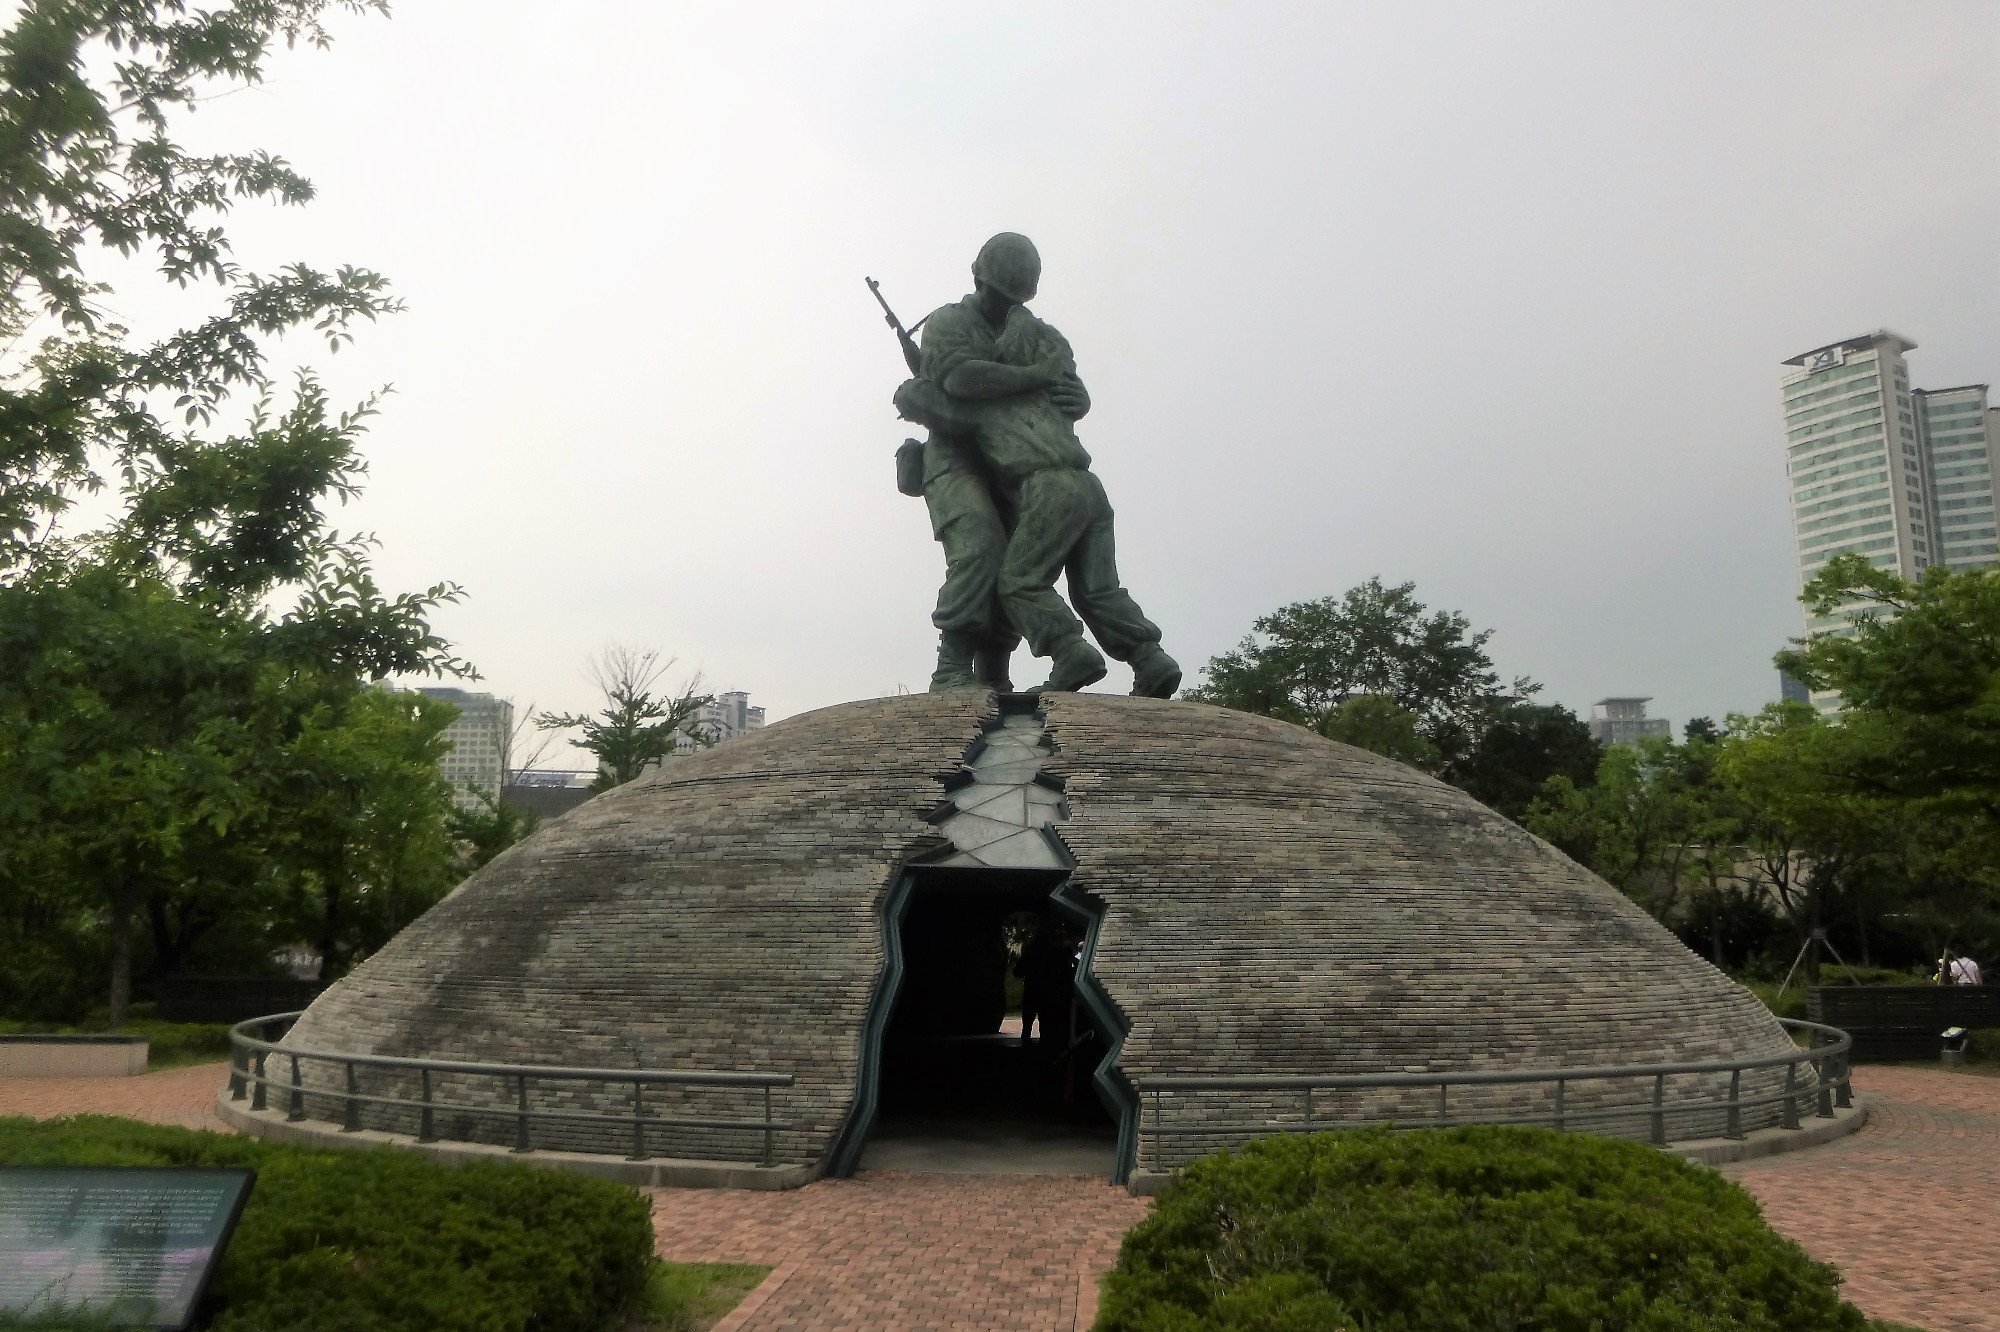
column 990, row 664
column 1154, row 673
column 954, row 667
column 1072, row 666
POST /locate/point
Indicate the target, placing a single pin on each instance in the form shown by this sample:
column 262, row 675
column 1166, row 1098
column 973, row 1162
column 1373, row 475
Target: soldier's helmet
column 1010, row 264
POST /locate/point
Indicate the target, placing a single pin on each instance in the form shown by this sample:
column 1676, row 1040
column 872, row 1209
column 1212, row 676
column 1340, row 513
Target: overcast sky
column 1487, row 297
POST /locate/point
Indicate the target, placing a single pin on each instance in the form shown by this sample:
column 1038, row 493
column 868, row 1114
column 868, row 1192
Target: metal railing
column 1826, row 1054
column 250, row 1054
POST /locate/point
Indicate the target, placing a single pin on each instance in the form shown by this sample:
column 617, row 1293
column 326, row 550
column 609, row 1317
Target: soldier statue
column 998, row 389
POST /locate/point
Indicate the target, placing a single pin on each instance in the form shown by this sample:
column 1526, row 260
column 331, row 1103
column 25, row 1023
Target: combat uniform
column 972, row 527
column 1063, row 520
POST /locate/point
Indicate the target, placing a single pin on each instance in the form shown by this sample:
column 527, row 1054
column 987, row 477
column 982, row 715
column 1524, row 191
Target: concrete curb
column 663, row 1172
column 73, row 1056
column 1812, row 1132
column 1703, row 1151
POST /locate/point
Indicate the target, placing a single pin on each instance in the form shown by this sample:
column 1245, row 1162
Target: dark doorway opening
column 959, row 1086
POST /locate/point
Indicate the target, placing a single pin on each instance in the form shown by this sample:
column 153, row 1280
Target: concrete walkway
column 1908, row 1208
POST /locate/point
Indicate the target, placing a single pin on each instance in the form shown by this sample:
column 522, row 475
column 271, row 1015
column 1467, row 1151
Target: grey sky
column 1490, row 297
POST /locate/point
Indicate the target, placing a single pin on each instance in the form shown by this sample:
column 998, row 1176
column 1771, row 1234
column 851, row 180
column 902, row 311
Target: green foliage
column 168, row 1044
column 1654, row 823
column 1522, row 747
column 1302, row 661
column 487, row 828
column 1461, row 1230
column 86, row 95
column 636, row 730
column 1375, row 723
column 386, row 1241
column 1902, row 797
column 187, row 743
column 1373, row 668
column 681, row 1297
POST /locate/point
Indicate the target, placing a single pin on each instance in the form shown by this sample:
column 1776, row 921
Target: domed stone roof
column 1267, row 903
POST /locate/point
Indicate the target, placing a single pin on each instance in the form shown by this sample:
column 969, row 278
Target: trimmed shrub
column 169, row 1043
column 384, row 1240
column 1462, row 1230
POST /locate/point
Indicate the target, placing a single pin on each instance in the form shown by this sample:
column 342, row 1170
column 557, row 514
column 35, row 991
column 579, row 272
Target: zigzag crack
column 1001, row 810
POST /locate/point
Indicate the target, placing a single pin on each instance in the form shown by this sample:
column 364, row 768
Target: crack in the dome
column 1000, row 812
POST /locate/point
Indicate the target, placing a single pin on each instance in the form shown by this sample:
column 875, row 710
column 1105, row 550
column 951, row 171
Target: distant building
column 722, row 718
column 547, row 792
column 1792, row 691
column 1901, row 476
column 479, row 740
column 1955, row 432
column 1621, row 721
column 1852, row 456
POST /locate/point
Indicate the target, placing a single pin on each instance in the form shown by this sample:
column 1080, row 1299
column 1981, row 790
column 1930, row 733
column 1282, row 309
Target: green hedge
column 169, row 1044
column 1462, row 1230
column 384, row 1240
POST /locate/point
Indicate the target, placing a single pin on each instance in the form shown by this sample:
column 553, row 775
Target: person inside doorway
column 1048, row 975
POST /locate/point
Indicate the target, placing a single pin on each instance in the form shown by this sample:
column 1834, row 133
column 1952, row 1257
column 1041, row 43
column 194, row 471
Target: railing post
column 427, row 1119
column 770, row 1140
column 1735, row 1127
column 1309, row 1109
column 1659, row 1110
column 1562, row 1094
column 298, row 1108
column 1843, row 1092
column 237, row 1061
column 1790, row 1118
column 521, row 1114
column 638, row 1122
column 1155, row 1157
column 1823, row 1109
column 257, row 1084
column 350, row 1118
column 1443, row 1104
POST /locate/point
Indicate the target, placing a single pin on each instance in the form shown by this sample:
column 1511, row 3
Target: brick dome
column 1263, row 902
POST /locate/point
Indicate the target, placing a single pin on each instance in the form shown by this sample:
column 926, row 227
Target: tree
column 1919, row 681
column 1522, row 746
column 1653, row 823
column 173, row 734
column 635, row 730
column 1306, row 662
column 487, row 828
column 1375, row 723
column 1909, row 777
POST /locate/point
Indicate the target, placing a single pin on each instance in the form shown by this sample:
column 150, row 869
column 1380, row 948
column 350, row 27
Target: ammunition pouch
column 910, row 468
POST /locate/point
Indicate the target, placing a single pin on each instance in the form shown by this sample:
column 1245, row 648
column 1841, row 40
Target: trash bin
column 1954, row 1045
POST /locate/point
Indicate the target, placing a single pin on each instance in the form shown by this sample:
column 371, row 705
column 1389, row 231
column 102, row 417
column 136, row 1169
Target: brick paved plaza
column 1906, row 1208
column 1909, row 1207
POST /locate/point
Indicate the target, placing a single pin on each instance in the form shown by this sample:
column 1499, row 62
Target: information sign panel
column 132, row 1245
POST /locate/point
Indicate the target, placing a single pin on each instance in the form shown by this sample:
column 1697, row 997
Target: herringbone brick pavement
column 890, row 1250
column 1909, row 1207
column 184, row 1096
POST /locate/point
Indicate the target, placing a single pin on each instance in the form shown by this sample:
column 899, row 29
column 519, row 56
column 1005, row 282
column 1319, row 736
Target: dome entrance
column 961, row 1084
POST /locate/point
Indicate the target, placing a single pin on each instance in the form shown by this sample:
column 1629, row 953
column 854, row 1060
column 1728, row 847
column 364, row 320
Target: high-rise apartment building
column 1956, row 431
column 1852, row 456
column 479, row 740
column 1901, row 476
column 723, row 717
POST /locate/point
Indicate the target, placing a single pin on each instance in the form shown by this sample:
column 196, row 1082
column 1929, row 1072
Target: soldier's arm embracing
column 1068, row 394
